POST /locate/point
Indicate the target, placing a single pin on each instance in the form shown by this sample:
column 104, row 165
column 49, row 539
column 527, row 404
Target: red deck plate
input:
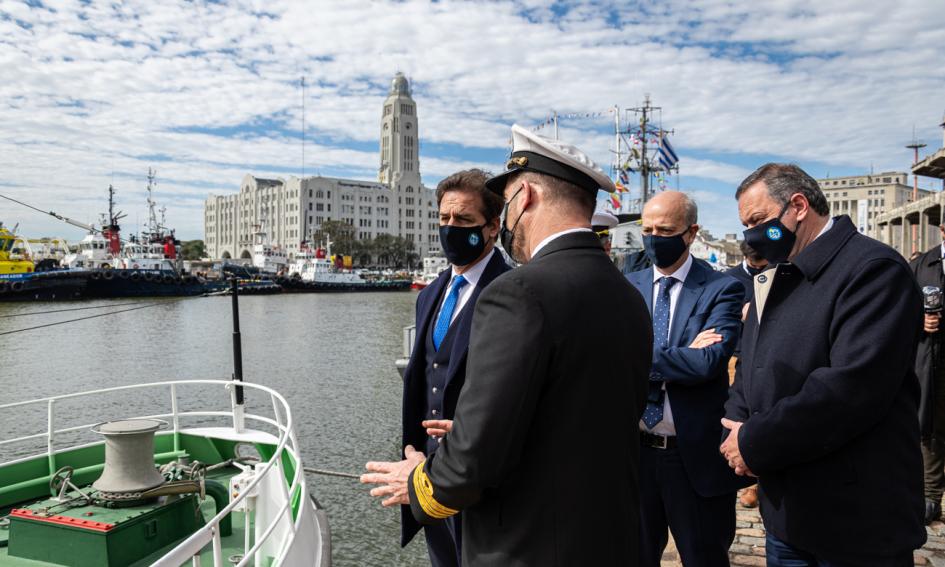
column 62, row 520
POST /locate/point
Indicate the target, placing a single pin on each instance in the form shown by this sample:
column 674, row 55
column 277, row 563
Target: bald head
column 673, row 206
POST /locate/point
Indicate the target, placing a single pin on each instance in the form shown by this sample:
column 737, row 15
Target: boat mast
column 618, row 163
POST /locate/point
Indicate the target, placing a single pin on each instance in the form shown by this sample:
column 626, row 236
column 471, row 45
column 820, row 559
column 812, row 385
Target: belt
column 657, row 441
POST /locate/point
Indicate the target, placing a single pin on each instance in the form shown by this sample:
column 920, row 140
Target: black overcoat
column 544, row 452
column 828, row 396
column 927, row 269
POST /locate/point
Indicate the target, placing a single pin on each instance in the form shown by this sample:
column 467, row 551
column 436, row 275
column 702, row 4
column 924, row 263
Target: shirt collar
column 681, row 272
column 544, row 242
column 824, row 229
column 474, row 272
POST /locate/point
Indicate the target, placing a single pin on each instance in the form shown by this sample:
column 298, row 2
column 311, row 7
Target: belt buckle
column 663, row 441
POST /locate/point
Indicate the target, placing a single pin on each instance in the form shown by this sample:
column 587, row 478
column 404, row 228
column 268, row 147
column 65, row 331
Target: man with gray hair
column 823, row 407
column 684, row 484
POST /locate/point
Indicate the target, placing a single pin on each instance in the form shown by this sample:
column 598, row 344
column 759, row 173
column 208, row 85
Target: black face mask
column 664, row 250
column 772, row 239
column 462, row 244
column 753, row 271
column 506, row 235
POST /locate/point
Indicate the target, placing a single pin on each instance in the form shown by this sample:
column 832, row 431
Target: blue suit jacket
column 428, row 303
column 697, row 379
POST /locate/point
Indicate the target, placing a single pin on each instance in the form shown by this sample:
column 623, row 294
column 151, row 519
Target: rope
column 330, row 473
column 96, row 316
column 70, row 309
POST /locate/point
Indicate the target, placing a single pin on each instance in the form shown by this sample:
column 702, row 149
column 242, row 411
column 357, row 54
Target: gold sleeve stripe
column 424, row 490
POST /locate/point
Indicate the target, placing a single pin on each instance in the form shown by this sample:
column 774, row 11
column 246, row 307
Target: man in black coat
column 930, row 368
column 540, row 458
column 469, row 227
column 823, row 408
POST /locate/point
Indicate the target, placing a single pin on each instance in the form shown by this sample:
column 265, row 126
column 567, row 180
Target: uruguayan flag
column 668, row 157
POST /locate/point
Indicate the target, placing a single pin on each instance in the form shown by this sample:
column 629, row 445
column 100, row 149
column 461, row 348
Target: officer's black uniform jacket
column 929, row 356
column 543, row 454
column 828, row 396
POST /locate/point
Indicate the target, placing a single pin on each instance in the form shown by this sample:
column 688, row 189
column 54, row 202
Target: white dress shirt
column 545, row 242
column 472, row 275
column 666, row 426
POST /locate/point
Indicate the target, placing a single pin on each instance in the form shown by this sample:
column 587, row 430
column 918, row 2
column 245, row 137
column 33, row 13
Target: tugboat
column 432, row 266
column 166, row 489
column 20, row 280
column 105, row 266
column 316, row 272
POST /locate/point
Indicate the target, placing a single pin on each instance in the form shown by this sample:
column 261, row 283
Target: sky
column 95, row 93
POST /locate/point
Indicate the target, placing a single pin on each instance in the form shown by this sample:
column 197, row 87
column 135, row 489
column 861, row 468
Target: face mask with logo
column 772, row 239
column 753, row 271
column 506, row 235
column 664, row 250
column 462, row 244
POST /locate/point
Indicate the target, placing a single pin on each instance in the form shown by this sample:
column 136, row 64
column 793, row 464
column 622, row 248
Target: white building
column 292, row 210
column 864, row 197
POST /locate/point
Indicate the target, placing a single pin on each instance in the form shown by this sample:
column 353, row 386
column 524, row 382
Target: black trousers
column 444, row 542
column 703, row 527
column 933, row 448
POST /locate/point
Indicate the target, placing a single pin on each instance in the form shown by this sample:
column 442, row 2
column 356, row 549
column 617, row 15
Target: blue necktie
column 446, row 312
column 653, row 413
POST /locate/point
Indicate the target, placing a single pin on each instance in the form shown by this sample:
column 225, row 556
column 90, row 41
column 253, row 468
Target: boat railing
column 191, row 548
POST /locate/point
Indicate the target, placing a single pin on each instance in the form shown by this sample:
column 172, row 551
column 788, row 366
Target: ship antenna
column 303, row 127
column 237, row 399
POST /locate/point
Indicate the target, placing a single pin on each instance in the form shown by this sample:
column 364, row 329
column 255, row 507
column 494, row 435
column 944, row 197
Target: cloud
column 206, row 92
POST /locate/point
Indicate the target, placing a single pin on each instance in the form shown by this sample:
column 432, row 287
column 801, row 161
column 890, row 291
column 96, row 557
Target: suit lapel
column 463, row 323
column 686, row 303
column 428, row 309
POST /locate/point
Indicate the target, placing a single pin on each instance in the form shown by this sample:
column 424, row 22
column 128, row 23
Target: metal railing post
column 50, row 431
column 175, row 417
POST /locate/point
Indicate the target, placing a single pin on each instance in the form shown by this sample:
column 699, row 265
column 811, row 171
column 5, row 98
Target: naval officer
column 539, row 458
column 469, row 227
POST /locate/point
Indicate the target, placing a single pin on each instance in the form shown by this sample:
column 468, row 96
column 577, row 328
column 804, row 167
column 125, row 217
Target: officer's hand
column 706, row 338
column 438, row 427
column 393, row 475
column 931, row 322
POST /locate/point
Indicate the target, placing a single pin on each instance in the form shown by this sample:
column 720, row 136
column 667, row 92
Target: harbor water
column 331, row 355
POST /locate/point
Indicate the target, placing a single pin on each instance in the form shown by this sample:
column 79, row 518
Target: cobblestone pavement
column 749, row 546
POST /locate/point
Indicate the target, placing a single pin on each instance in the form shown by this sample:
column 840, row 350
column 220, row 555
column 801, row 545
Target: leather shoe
column 749, row 497
column 933, row 511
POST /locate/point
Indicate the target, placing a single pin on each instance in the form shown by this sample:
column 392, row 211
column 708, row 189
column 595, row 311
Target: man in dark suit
column 751, row 266
column 823, row 408
column 930, row 368
column 685, row 485
column 469, row 228
column 539, row 458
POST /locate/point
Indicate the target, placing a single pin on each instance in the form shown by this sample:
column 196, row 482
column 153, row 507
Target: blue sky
column 96, row 92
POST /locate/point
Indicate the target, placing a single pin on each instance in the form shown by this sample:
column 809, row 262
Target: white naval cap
column 602, row 220
column 531, row 152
